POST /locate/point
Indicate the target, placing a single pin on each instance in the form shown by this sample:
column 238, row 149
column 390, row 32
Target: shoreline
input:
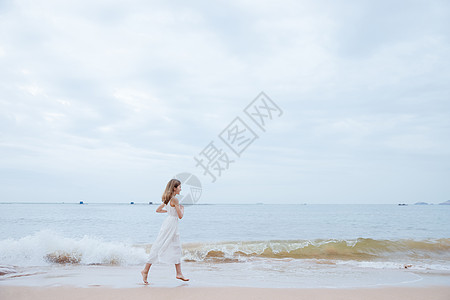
column 225, row 275
column 182, row 292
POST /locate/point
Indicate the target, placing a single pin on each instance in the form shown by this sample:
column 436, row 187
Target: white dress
column 167, row 247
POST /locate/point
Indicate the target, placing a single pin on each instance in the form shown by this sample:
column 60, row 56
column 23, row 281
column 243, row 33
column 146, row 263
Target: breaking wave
column 46, row 247
column 361, row 249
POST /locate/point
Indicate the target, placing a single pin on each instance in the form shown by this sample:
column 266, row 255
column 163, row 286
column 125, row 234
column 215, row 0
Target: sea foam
column 46, row 247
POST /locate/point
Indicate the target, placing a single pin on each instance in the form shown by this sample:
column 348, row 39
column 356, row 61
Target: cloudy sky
column 105, row 101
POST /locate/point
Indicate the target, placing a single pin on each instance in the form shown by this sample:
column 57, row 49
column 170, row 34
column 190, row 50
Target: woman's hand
column 179, row 208
column 160, row 209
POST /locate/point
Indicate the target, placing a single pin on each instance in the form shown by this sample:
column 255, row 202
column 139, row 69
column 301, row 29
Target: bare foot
column 144, row 277
column 181, row 277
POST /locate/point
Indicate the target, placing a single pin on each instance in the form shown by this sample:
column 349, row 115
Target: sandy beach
column 148, row 292
column 87, row 261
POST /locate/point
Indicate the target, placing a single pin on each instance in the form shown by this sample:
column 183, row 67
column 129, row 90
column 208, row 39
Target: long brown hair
column 169, row 192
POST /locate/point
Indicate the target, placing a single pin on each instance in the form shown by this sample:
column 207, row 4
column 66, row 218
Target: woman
column 167, row 247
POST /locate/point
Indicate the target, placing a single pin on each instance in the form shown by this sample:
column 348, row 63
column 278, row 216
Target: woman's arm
column 178, row 207
column 160, row 209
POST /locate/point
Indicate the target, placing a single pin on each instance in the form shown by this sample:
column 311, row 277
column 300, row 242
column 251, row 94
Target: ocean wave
column 47, row 247
column 361, row 249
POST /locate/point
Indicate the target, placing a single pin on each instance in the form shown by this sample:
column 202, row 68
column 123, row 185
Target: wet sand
column 219, row 293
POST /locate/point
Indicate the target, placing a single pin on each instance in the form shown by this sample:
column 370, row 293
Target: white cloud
column 116, row 91
column 33, row 89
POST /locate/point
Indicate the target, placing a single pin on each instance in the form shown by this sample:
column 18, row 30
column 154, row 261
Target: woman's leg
column 179, row 274
column 145, row 272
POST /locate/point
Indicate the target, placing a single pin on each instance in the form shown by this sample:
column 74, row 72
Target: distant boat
column 131, row 202
column 402, row 204
column 81, row 202
column 150, row 202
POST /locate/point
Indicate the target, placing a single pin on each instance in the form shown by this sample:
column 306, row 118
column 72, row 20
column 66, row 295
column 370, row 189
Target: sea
column 247, row 245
